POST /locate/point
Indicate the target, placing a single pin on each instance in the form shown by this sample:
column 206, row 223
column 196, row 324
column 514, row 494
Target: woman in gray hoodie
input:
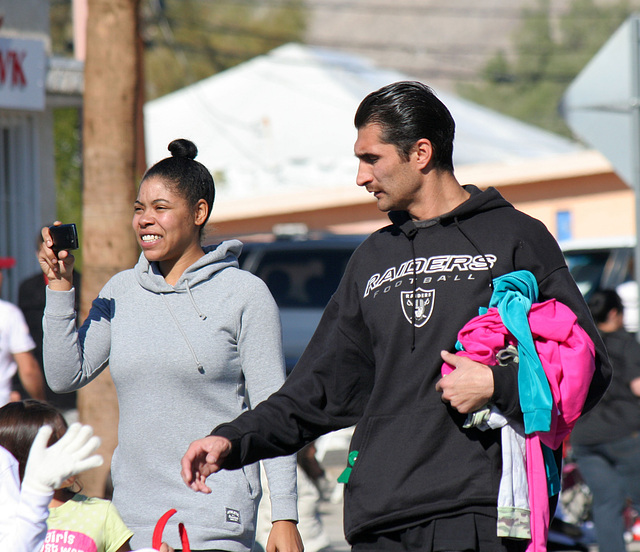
column 191, row 341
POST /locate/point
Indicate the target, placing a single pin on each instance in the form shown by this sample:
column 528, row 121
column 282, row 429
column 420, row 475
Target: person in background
column 189, row 338
column 24, row 507
column 606, row 441
column 312, row 530
column 16, row 349
column 628, row 292
column 75, row 521
column 31, row 300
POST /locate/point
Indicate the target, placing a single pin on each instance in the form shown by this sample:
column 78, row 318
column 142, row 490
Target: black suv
column 302, row 273
column 600, row 262
column 303, row 270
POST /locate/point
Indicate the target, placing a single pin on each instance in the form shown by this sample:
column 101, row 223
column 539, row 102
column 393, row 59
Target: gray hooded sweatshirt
column 184, row 359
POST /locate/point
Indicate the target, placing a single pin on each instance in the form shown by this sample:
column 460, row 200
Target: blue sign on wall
column 563, row 225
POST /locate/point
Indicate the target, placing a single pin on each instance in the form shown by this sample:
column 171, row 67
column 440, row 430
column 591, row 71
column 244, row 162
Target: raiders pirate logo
column 421, row 305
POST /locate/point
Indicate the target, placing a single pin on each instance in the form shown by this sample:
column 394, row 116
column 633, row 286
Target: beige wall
column 600, row 205
column 600, row 214
column 584, row 184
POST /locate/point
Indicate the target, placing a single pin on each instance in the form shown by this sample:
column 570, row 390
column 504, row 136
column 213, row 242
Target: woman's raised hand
column 56, row 266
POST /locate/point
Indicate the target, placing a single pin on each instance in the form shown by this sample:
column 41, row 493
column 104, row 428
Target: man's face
column 394, row 181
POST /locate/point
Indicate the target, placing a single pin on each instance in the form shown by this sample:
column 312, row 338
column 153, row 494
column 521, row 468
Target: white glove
column 48, row 467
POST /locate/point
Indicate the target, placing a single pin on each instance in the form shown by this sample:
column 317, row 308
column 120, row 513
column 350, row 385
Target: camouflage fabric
column 514, row 523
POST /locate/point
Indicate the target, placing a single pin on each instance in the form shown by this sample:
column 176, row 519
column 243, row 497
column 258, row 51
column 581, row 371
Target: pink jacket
column 567, row 355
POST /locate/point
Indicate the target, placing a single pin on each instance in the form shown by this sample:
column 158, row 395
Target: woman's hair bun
column 183, row 148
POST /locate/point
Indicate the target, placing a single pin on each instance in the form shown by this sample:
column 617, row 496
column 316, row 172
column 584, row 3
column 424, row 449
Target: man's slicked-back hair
column 407, row 111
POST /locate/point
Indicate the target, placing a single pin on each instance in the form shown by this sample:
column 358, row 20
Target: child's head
column 20, row 422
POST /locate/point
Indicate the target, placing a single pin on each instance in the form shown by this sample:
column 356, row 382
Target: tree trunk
column 110, row 141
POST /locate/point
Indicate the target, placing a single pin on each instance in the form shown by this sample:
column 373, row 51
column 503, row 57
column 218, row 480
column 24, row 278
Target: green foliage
column 549, row 53
column 188, row 40
column 68, row 160
column 61, row 27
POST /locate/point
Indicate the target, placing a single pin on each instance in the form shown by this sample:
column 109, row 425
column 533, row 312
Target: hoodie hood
column 216, row 258
column 478, row 202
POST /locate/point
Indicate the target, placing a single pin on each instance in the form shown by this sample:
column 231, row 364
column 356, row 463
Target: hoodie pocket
column 410, row 464
column 234, row 507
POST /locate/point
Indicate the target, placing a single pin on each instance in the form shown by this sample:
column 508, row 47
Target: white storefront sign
column 22, row 74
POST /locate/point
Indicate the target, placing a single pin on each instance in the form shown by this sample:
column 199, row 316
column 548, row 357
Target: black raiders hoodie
column 374, row 361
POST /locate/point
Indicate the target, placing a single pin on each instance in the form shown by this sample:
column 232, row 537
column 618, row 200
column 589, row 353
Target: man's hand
column 284, row 537
column 204, row 457
column 469, row 387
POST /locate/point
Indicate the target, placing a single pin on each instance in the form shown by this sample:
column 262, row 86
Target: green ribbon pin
column 344, row 476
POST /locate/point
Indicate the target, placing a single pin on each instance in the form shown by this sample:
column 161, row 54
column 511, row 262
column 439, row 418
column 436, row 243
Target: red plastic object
column 156, row 541
column 186, row 547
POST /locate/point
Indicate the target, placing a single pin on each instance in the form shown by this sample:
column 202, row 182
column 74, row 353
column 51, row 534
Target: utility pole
column 111, row 141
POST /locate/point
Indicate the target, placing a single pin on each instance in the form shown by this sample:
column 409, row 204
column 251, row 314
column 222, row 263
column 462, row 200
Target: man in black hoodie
column 417, row 479
column 606, row 442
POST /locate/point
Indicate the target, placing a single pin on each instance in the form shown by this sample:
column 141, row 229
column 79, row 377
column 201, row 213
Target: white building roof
column 283, row 122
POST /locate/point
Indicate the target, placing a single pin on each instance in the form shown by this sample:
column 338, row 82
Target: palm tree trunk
column 110, row 145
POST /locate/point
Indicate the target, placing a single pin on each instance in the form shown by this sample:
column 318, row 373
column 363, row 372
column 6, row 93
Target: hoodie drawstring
column 415, row 277
column 193, row 302
column 410, row 231
column 404, row 223
column 475, row 246
column 184, row 335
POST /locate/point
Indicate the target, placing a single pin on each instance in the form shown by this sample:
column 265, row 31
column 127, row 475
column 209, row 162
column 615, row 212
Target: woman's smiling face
column 165, row 224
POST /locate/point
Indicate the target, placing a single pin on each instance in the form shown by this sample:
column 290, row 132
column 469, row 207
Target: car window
column 587, row 268
column 303, row 278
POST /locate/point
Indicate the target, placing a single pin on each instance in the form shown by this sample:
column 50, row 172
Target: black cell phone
column 64, row 236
